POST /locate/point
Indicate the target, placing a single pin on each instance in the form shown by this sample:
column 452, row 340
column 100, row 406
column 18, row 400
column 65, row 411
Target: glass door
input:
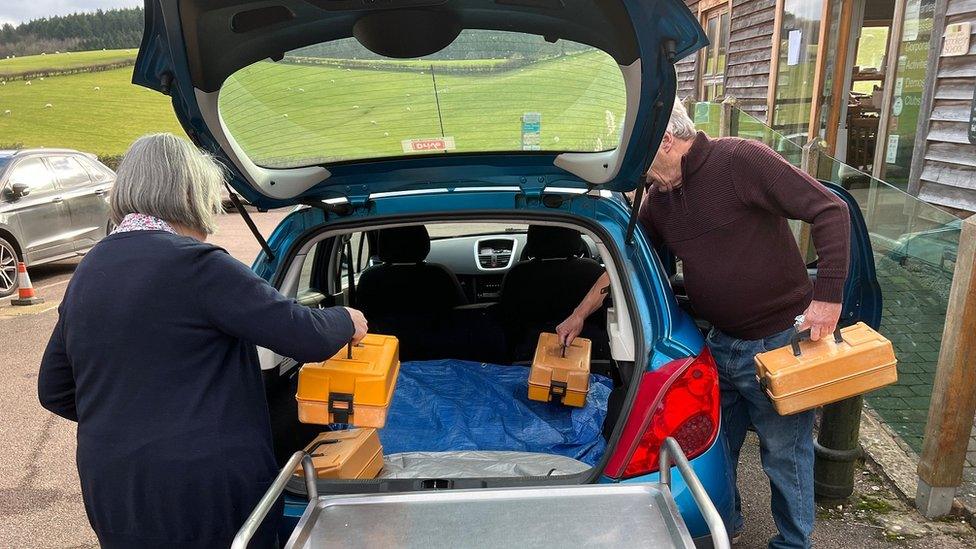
column 798, row 51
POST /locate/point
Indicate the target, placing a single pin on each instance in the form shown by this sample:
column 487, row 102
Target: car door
column 85, row 198
column 41, row 214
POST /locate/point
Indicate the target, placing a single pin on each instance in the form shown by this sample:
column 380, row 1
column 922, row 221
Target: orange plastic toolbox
column 355, row 389
column 560, row 373
column 352, row 454
column 808, row 374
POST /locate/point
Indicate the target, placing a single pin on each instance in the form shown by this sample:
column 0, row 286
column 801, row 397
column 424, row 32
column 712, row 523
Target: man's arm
column 765, row 180
column 572, row 326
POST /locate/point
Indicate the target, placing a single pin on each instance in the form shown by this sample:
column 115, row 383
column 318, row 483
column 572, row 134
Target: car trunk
column 460, row 417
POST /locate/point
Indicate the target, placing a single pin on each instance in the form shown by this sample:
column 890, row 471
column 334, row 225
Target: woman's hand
column 359, row 323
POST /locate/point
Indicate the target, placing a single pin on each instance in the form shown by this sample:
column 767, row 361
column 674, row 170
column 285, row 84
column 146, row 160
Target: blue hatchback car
column 457, row 170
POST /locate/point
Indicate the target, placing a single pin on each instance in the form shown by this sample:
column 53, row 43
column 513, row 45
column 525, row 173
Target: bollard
column 837, row 450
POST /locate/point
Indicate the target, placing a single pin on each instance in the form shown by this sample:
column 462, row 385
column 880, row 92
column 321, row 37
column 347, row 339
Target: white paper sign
column 793, row 47
column 891, row 154
column 911, row 19
column 956, row 39
column 897, row 107
column 899, row 85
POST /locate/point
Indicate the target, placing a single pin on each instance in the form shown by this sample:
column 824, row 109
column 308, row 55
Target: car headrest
column 403, row 244
column 546, row 242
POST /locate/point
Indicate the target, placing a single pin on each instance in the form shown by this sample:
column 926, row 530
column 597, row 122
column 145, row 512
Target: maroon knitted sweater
column 727, row 223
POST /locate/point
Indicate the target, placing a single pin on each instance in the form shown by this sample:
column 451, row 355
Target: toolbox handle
column 805, row 334
column 254, row 521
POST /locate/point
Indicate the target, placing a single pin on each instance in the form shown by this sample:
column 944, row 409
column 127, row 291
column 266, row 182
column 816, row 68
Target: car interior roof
column 222, row 36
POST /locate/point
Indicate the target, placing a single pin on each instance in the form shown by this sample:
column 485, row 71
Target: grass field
column 56, row 61
column 103, row 121
column 289, row 114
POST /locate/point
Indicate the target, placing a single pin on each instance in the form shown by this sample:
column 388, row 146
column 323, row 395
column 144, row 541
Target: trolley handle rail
column 257, row 516
column 671, row 453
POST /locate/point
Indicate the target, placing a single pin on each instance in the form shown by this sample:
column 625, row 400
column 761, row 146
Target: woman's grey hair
column 167, row 177
column 680, row 125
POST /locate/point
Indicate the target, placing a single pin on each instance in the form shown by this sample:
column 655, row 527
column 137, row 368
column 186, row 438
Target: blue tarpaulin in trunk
column 447, row 405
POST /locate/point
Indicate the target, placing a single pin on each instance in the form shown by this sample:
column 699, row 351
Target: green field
column 55, row 61
column 290, row 114
column 103, row 121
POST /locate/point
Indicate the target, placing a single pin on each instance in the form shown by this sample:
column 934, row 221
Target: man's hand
column 359, row 323
column 821, row 317
column 569, row 329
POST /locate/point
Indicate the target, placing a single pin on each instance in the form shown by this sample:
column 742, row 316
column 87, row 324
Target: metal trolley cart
column 593, row 515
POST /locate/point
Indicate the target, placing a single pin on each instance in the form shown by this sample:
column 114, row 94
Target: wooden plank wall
column 687, row 84
column 946, row 174
column 750, row 49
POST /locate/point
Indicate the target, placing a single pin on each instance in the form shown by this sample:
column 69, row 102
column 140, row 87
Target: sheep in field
column 48, row 106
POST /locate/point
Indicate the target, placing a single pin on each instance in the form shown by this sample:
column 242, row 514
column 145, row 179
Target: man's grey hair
column 680, row 125
column 167, row 177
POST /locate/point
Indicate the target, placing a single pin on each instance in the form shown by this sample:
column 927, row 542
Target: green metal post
column 837, row 450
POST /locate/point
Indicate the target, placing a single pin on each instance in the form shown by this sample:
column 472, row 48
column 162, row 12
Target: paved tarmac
column 40, row 501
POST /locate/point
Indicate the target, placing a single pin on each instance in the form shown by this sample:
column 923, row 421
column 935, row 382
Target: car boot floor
column 451, row 405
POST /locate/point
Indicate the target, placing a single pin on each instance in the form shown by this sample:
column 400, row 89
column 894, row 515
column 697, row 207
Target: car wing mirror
column 18, row 190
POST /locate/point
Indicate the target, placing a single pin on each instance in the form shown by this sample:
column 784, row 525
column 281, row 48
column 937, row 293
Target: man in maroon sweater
column 721, row 206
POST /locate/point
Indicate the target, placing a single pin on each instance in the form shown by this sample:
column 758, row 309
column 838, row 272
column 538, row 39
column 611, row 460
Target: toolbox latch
column 340, row 406
column 557, row 389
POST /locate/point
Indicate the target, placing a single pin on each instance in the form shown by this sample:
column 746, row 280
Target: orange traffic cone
column 25, row 290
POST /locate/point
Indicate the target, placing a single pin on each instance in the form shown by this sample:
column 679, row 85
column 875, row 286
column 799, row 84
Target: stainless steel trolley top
column 593, row 515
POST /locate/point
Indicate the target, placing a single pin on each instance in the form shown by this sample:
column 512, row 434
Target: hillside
column 99, row 112
column 108, row 29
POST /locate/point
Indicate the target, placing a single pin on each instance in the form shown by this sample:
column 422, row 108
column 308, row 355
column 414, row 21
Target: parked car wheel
column 8, row 268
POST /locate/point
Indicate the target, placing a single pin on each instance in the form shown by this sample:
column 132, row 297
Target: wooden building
column 888, row 84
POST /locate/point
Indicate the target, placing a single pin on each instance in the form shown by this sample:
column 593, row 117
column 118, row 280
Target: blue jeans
column 785, row 442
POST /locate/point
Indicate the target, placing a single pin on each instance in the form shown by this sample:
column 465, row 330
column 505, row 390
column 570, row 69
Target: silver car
column 53, row 206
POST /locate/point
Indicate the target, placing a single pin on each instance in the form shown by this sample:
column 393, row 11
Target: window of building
column 716, row 23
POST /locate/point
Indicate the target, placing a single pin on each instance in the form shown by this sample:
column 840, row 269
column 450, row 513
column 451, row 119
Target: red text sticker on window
column 434, row 144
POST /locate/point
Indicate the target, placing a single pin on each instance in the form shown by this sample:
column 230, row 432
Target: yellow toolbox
column 560, row 373
column 355, row 389
column 808, row 374
column 351, row 454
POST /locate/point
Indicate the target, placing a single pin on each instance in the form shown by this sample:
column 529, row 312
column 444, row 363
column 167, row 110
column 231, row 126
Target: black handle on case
column 805, row 334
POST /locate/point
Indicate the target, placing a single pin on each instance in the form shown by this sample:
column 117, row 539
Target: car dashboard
column 481, row 261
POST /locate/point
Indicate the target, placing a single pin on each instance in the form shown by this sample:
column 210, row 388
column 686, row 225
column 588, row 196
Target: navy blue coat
column 154, row 356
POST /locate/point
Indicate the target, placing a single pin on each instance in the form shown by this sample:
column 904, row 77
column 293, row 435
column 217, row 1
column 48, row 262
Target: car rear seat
column 539, row 293
column 404, row 295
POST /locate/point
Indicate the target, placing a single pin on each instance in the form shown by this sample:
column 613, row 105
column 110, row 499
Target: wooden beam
column 726, row 119
column 774, row 62
column 838, row 93
column 953, row 406
column 816, row 95
column 887, row 93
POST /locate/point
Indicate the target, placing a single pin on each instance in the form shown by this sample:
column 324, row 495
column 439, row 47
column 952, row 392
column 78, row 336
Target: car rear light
column 680, row 400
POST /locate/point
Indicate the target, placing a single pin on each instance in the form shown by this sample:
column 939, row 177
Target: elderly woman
column 154, row 356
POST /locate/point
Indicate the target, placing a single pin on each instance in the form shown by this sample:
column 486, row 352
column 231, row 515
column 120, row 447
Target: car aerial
column 53, row 206
column 458, row 171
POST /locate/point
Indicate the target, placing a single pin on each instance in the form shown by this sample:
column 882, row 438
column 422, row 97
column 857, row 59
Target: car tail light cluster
column 679, row 400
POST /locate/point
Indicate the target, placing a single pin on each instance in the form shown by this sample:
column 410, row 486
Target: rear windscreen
column 487, row 92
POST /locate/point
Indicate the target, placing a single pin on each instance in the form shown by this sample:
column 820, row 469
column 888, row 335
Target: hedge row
column 45, row 73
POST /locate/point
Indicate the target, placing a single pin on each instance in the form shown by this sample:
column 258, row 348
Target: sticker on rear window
column 432, row 144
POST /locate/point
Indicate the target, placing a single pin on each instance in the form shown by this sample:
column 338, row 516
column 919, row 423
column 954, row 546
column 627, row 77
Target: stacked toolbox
column 355, row 386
